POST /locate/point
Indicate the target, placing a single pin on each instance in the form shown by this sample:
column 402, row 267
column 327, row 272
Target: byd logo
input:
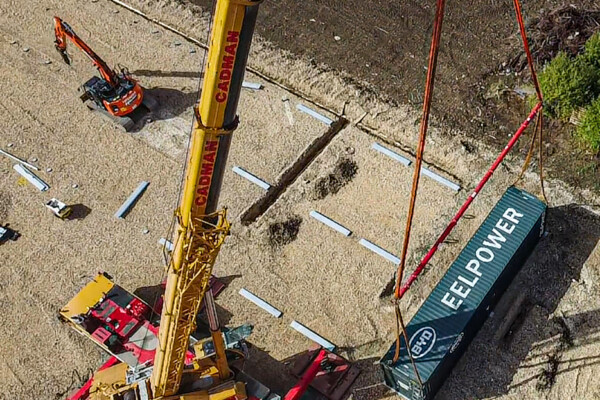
column 422, row 342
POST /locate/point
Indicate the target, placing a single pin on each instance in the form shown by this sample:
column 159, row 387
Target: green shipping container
column 443, row 327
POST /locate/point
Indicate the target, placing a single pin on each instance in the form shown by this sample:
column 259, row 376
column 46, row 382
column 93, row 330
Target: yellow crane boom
column 202, row 229
column 117, row 320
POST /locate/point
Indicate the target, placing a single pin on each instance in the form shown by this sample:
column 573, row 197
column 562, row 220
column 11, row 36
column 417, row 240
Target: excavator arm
column 62, row 32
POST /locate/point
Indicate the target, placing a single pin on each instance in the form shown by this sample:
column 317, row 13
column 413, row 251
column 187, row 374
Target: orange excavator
column 116, row 95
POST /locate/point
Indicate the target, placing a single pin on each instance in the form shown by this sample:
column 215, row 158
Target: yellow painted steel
column 220, row 356
column 87, row 297
column 107, row 382
column 110, row 384
column 185, row 289
column 226, row 391
column 199, row 236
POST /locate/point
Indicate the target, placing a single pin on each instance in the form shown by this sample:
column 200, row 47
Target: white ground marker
column 31, row 177
column 406, row 162
column 392, row 154
column 440, row 179
column 288, row 110
column 166, row 243
column 376, row 249
column 330, row 223
column 131, row 200
column 252, row 178
column 251, row 85
column 261, row 303
column 17, row 159
column 314, row 114
column 312, row 336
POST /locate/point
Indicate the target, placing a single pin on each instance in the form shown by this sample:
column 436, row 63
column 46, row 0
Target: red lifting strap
column 468, row 202
column 401, row 289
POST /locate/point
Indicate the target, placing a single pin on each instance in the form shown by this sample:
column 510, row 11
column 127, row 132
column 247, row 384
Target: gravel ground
column 314, row 275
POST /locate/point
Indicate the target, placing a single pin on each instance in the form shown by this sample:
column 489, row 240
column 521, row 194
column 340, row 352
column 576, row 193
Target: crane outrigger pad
column 333, row 380
column 116, row 320
column 450, row 317
column 122, row 324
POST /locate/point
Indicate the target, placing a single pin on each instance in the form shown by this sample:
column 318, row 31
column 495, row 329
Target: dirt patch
column 388, row 290
column 343, row 173
column 563, row 29
column 548, row 374
column 282, row 233
column 566, row 338
column 5, row 204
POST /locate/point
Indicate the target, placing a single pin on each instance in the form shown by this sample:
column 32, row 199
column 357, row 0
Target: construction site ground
column 313, row 274
column 481, row 64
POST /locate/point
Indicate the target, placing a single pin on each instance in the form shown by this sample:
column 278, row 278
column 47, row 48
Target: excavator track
column 149, row 101
column 128, row 122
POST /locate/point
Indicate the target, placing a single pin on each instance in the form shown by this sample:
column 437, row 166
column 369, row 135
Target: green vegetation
column 589, row 129
column 567, row 85
column 573, row 84
column 592, row 50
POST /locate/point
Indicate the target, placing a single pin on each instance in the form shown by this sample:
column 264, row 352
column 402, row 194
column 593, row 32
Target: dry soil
column 313, row 274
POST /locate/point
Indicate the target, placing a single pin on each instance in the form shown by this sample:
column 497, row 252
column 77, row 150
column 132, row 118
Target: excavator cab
column 118, row 103
column 119, row 100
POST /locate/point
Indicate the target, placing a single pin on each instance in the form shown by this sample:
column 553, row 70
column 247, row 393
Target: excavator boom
column 62, row 31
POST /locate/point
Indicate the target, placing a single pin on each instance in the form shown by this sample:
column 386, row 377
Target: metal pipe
column 260, row 302
column 312, row 336
column 330, row 223
column 314, row 114
column 131, row 200
column 31, row 177
column 17, row 159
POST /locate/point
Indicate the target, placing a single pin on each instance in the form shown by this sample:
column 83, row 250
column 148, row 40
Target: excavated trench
column 292, row 173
